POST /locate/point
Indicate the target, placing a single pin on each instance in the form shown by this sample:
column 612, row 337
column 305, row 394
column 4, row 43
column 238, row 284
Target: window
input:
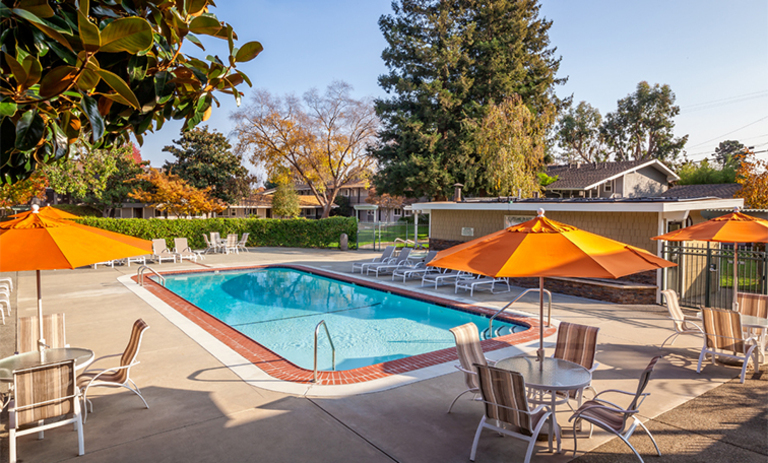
column 608, row 186
column 397, row 212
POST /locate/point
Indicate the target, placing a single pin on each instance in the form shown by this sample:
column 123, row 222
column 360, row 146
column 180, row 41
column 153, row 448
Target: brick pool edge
column 282, row 369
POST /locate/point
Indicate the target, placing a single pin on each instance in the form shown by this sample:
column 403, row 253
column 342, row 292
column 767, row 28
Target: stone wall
column 615, row 292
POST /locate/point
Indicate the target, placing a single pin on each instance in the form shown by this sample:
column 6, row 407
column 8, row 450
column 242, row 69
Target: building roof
column 585, row 176
column 720, row 190
column 264, row 201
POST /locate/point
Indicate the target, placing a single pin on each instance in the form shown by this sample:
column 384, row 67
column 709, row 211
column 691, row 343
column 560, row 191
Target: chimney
column 457, row 192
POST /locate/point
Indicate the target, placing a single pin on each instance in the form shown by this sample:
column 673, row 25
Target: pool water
column 279, row 308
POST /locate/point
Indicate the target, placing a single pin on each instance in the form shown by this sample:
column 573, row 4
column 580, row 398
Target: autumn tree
column 448, row 62
column 171, row 194
column 105, row 69
column 510, row 143
column 204, row 159
column 22, row 192
column 578, row 134
column 385, row 201
column 642, row 126
column 323, row 138
column 753, row 178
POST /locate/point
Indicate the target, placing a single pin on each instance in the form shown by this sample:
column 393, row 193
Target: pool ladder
column 140, row 275
column 488, row 332
column 333, row 349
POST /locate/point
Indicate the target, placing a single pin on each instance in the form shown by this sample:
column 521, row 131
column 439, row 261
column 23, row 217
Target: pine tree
column 448, row 62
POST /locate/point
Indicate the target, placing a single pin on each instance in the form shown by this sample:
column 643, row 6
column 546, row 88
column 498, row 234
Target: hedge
column 298, row 233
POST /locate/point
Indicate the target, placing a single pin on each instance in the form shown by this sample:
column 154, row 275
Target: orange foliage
column 753, row 178
column 173, row 195
column 23, row 191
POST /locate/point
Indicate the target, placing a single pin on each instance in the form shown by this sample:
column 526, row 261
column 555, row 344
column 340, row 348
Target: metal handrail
column 549, row 309
column 140, row 275
column 333, row 349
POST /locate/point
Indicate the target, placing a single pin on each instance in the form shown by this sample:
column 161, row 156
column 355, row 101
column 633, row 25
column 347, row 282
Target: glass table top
column 554, row 374
column 31, row 359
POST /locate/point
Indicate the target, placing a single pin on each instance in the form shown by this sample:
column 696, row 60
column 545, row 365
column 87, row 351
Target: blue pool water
column 279, row 308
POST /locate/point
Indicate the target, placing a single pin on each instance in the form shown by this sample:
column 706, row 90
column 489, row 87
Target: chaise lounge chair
column 470, row 282
column 385, row 257
column 441, row 278
column 160, row 252
column 418, row 270
column 183, row 251
column 400, row 261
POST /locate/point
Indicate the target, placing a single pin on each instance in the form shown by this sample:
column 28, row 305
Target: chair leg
column 477, row 439
column 12, row 445
column 454, row 400
column 649, row 435
column 80, row 438
column 701, row 358
column 672, row 336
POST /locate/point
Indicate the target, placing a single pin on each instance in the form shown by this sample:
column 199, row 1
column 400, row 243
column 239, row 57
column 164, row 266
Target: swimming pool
column 280, row 307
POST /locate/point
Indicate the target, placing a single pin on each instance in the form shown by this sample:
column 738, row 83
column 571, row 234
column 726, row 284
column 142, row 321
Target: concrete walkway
column 201, row 411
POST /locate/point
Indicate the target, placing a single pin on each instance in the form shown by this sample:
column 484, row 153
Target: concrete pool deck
column 202, row 411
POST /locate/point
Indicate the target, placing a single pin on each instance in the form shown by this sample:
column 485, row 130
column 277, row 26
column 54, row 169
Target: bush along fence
column 298, row 233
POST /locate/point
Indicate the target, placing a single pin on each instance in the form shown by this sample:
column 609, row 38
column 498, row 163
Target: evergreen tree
column 448, row 62
column 204, row 159
column 285, row 201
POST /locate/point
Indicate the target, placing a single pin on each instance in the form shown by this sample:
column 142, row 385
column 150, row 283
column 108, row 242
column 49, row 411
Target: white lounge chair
column 471, row 282
column 183, row 251
column 399, row 262
column 243, row 241
column 385, row 257
column 418, row 270
column 682, row 324
column 439, row 279
column 160, row 252
column 7, row 281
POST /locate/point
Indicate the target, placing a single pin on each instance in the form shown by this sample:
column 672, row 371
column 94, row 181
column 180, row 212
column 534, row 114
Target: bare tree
column 322, row 138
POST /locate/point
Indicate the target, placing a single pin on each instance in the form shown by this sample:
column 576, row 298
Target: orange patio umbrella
column 36, row 242
column 735, row 228
column 47, row 211
column 545, row 248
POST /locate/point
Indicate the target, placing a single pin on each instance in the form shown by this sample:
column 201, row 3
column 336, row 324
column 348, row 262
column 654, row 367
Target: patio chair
column 54, row 332
column 401, row 261
column 210, row 246
column 217, row 241
column 506, row 403
column 7, row 281
column 470, row 282
column 578, row 344
column 470, row 353
column 135, row 259
column 755, row 305
column 682, row 323
column 183, row 251
column 230, row 245
column 418, row 270
column 385, row 257
column 6, row 302
column 160, row 252
column 441, row 278
column 119, row 376
column 40, row 393
column 613, row 418
column 243, row 241
column 106, row 263
column 723, row 332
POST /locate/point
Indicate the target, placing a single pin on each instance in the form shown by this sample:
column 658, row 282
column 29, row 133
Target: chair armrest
column 490, row 362
column 110, row 370
column 578, row 413
column 460, row 368
column 102, row 358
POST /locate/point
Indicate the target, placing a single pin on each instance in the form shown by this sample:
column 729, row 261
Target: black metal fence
column 704, row 275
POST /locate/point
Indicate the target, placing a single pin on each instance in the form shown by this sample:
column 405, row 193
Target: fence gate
column 376, row 235
column 704, row 274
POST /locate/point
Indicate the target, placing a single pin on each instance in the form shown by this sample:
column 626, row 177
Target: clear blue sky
column 713, row 54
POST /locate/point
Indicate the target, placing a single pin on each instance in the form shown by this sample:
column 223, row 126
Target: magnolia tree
column 106, row 69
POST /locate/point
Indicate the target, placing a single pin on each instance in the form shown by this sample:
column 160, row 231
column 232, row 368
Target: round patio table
column 82, row 357
column 553, row 376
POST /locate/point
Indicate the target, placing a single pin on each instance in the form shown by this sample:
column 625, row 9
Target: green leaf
column 84, row 7
column 7, row 108
column 29, row 130
column 89, row 32
column 88, row 80
column 91, row 110
column 45, row 27
column 60, row 145
column 114, row 97
column 132, row 35
column 205, row 25
column 195, row 6
column 192, row 38
column 37, row 7
column 16, row 69
column 57, row 81
column 248, row 52
column 34, row 70
column 119, row 85
column 245, row 78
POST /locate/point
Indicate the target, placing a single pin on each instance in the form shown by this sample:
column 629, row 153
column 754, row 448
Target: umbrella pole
column 735, row 305
column 540, row 352
column 41, row 341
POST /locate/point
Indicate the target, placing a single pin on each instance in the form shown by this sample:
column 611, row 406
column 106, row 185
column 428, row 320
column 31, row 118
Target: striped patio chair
column 723, row 332
column 755, row 305
column 116, row 376
column 613, row 418
column 682, row 324
column 506, row 403
column 470, row 353
column 577, row 344
column 41, row 393
column 54, row 332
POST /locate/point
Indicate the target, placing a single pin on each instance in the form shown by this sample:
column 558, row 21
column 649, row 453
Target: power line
column 723, row 101
column 720, row 137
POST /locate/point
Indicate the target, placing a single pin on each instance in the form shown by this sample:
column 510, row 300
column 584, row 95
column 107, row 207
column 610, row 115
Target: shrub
column 299, row 233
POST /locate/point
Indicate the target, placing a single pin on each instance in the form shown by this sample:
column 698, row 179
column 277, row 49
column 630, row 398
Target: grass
column 389, row 233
